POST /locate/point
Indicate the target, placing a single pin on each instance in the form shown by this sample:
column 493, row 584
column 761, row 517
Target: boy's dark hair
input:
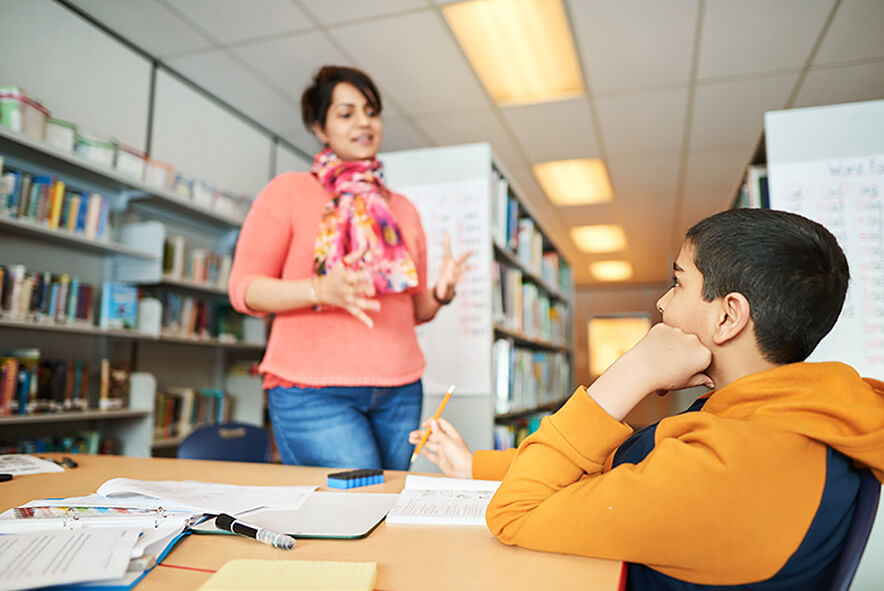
column 317, row 98
column 790, row 268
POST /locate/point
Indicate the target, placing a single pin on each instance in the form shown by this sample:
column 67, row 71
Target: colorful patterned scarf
column 359, row 213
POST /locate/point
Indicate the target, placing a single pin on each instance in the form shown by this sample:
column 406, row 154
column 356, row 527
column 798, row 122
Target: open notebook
column 442, row 501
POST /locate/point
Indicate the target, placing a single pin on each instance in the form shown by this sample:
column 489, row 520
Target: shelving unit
column 457, row 190
column 40, row 248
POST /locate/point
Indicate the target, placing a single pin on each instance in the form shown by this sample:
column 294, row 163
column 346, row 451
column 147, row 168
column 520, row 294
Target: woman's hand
column 348, row 289
column 451, row 271
column 445, row 448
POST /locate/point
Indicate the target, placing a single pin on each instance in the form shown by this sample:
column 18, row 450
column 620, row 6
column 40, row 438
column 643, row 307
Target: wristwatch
column 439, row 300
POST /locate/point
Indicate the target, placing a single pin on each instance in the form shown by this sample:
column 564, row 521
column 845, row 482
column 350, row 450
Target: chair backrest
column 858, row 535
column 236, row 442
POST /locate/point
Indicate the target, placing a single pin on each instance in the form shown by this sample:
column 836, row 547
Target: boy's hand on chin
column 667, row 358
column 671, row 359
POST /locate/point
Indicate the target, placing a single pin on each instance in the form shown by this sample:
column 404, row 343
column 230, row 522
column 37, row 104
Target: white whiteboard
column 846, row 195
column 456, row 343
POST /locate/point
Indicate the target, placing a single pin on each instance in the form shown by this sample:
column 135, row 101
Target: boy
column 754, row 484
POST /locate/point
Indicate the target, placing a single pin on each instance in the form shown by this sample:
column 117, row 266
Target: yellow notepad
column 300, row 575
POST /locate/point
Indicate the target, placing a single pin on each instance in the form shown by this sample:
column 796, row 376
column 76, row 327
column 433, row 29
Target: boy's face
column 683, row 305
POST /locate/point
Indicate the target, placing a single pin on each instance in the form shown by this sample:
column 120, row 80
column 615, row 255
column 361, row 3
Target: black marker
column 275, row 539
column 5, row 477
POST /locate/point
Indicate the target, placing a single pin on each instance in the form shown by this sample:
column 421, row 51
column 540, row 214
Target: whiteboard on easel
column 846, row 195
column 456, row 343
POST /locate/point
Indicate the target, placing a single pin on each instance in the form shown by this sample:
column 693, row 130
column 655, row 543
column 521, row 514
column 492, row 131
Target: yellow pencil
column 426, row 436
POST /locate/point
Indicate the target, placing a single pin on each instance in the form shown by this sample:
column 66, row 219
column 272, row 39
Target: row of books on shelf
column 519, row 234
column 23, row 114
column 32, row 385
column 511, row 435
column 525, row 379
column 46, row 200
column 178, row 411
column 523, row 307
column 81, row 441
column 199, row 265
column 60, row 299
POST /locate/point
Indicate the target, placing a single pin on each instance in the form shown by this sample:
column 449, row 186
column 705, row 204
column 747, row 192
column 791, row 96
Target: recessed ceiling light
column 574, row 182
column 611, row 270
column 521, row 50
column 599, row 238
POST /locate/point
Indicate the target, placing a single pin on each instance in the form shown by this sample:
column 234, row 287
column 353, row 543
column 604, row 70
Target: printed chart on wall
column 847, row 196
column 459, row 338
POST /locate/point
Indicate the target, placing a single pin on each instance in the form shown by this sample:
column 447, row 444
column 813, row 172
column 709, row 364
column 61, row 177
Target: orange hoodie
column 725, row 497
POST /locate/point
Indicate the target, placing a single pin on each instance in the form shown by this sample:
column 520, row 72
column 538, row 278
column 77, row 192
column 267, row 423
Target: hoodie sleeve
column 492, row 464
column 705, row 507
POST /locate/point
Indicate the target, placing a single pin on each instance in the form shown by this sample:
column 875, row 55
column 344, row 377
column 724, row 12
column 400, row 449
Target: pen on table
column 230, row 523
column 5, row 477
column 426, row 436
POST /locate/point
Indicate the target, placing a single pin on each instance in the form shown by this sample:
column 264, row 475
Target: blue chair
column 858, row 535
column 235, row 442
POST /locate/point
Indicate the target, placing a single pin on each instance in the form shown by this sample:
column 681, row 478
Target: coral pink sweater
column 329, row 347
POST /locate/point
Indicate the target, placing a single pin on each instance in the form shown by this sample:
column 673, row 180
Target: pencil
column 426, row 436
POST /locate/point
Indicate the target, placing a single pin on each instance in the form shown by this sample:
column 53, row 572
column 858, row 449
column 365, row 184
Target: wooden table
column 408, row 557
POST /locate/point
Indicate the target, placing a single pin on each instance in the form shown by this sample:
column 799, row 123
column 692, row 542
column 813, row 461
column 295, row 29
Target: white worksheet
column 442, row 501
column 54, row 557
column 211, row 497
column 17, row 464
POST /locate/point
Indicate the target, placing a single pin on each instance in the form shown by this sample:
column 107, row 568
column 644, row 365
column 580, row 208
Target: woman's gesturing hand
column 451, row 271
column 348, row 289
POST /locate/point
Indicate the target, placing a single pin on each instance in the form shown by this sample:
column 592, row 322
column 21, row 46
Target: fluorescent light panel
column 599, row 238
column 611, row 270
column 521, row 50
column 574, row 182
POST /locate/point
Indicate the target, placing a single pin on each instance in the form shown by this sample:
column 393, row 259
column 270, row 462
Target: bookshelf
column 171, row 358
column 516, row 304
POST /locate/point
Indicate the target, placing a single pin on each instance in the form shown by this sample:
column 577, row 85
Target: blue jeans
column 346, row 426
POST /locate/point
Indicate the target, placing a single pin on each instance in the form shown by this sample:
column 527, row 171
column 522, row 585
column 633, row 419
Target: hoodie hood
column 827, row 402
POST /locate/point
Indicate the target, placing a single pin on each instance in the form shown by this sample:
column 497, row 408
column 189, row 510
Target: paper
column 272, row 575
column 17, row 464
column 210, row 497
column 64, row 556
column 442, row 501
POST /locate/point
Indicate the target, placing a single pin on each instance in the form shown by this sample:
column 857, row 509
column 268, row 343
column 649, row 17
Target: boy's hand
column 670, row 359
column 445, row 448
column 667, row 358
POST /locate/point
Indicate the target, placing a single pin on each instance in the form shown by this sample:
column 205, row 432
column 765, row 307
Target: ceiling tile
column 731, row 114
column 645, row 190
column 230, row 21
column 754, row 36
column 472, row 126
column 292, row 60
column 558, row 130
column 711, row 182
column 419, row 62
column 637, row 44
column 855, row 33
column 646, row 123
column 348, row 11
column 847, row 84
column 147, row 24
column 399, row 134
column 221, row 75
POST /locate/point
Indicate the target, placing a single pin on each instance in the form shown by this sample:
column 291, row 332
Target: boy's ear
column 734, row 317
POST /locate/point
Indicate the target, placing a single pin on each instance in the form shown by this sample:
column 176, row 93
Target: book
column 119, row 303
column 252, row 574
column 430, row 500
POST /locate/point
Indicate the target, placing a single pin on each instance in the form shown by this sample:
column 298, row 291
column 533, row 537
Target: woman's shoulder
column 290, row 185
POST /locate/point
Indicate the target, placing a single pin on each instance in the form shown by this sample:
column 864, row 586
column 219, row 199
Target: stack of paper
column 443, row 501
column 279, row 575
